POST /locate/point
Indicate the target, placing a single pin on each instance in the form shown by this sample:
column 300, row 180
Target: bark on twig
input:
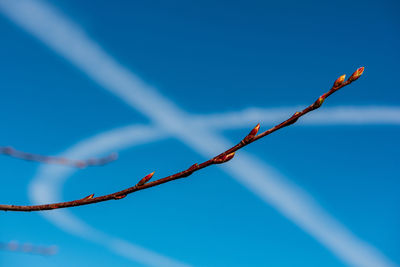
column 219, row 159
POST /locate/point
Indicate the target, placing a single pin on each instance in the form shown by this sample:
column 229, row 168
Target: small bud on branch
column 224, row 158
column 252, row 134
column 190, row 170
column 193, row 167
column 356, row 74
column 89, row 197
column 339, row 81
column 145, row 179
column 294, row 118
column 318, row 103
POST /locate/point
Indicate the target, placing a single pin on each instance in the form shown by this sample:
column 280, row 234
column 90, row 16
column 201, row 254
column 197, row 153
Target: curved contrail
column 46, row 187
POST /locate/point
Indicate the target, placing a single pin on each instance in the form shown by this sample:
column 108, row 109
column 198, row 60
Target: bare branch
column 9, row 151
column 219, row 159
column 28, row 248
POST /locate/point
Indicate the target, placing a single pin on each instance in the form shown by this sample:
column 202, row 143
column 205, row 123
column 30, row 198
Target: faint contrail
column 47, row 186
column 70, row 42
column 354, row 115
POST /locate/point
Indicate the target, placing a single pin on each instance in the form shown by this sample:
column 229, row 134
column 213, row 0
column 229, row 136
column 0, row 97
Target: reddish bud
column 119, row 197
column 224, row 158
column 339, row 81
column 294, row 115
column 319, row 102
column 89, row 196
column 252, row 134
column 194, row 166
column 356, row 74
column 145, row 179
column 255, row 130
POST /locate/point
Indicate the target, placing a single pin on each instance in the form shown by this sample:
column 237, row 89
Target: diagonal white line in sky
column 339, row 115
column 70, row 42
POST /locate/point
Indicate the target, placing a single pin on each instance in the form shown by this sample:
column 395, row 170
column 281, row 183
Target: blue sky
column 167, row 84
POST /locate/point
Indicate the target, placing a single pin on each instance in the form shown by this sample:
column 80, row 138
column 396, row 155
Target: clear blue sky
column 207, row 57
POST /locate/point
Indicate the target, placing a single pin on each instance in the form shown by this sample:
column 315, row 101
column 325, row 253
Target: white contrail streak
column 70, row 42
column 342, row 115
column 48, row 183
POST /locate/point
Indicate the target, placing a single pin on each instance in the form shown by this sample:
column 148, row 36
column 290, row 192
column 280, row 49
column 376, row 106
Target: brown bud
column 119, row 197
column 89, row 197
column 319, row 102
column 194, row 166
column 339, row 81
column 145, row 179
column 224, row 158
column 252, row 134
column 356, row 74
column 190, row 170
column 294, row 115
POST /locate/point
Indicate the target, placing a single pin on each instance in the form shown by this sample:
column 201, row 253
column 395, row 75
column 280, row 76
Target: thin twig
column 219, row 159
column 28, row 248
column 9, row 151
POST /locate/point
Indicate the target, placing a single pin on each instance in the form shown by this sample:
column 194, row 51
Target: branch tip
column 356, row 74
